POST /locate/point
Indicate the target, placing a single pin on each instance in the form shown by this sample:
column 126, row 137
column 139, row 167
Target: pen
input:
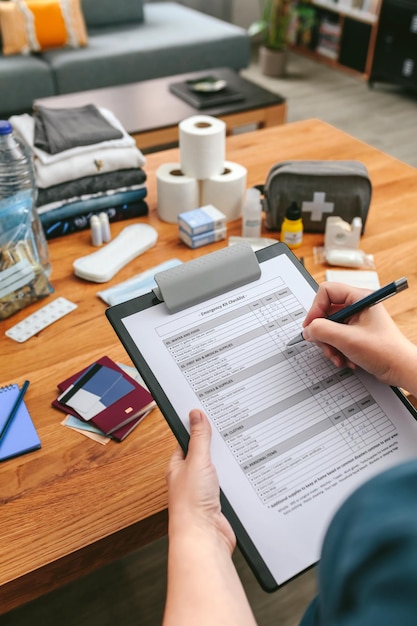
column 374, row 298
column 15, row 409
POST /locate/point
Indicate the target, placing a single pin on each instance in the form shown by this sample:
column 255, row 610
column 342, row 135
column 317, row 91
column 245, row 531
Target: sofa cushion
column 173, row 39
column 111, row 12
column 35, row 25
column 22, row 79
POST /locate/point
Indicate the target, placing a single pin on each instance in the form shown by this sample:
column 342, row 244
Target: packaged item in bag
column 321, row 188
column 23, row 277
column 24, row 258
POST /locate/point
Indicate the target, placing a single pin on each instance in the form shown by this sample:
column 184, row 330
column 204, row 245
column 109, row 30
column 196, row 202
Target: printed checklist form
column 293, row 435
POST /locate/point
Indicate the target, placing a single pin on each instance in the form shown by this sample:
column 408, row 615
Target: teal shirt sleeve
column 367, row 574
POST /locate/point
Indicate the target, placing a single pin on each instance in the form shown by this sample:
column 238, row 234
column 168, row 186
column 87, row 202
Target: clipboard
column 280, row 499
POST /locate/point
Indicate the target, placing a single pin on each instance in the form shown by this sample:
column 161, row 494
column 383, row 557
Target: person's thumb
column 200, row 436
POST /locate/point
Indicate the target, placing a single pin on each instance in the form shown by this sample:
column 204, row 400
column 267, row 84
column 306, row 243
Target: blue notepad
column 21, row 435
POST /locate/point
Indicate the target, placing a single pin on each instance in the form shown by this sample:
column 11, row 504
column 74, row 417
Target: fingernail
column 195, row 416
column 306, row 333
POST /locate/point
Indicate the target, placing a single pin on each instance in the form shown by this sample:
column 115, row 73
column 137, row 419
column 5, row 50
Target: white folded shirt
column 87, row 164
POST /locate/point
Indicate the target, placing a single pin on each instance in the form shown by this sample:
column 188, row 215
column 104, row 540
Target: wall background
column 240, row 12
column 244, row 12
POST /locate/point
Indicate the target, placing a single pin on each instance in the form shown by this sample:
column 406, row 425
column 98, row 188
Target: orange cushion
column 36, row 25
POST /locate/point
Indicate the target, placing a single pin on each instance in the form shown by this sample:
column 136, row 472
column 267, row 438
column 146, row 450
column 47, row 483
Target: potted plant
column 273, row 27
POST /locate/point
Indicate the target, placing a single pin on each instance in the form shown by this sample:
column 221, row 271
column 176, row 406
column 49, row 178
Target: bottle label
column 293, row 239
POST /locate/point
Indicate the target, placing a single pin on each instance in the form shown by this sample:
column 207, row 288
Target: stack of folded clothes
column 85, row 164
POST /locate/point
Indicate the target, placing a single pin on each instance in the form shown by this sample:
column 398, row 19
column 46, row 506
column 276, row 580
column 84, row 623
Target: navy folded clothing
column 57, row 130
column 65, row 226
column 95, row 203
column 91, row 184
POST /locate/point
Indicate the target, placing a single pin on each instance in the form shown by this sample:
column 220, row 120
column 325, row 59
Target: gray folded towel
column 57, row 130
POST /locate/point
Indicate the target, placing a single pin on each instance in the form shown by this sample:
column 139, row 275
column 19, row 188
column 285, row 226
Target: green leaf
column 257, row 28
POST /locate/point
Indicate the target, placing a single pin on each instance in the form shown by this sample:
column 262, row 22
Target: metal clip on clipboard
column 208, row 276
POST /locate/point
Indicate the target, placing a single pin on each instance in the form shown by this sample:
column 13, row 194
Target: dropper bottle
column 292, row 227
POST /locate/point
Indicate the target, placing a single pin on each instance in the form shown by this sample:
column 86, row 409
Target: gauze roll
column 175, row 192
column 202, row 143
column 226, row 191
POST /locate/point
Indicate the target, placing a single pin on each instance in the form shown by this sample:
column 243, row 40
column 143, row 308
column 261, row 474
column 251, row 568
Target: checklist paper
column 293, row 435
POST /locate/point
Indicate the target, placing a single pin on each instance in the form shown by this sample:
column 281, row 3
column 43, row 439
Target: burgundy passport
column 118, row 419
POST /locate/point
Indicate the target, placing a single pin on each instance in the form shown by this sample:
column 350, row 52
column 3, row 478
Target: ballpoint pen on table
column 373, row 298
column 14, row 409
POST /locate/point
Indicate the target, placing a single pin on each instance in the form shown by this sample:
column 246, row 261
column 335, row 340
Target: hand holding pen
column 349, row 311
column 370, row 340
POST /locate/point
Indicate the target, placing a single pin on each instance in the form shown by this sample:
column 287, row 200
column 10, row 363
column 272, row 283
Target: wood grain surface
column 74, row 505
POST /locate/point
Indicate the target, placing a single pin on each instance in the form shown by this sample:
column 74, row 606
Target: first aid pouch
column 321, row 188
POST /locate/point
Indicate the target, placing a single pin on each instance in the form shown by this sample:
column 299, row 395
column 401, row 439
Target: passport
column 106, row 396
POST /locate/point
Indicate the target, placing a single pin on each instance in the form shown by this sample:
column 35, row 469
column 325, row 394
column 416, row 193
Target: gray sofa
column 128, row 41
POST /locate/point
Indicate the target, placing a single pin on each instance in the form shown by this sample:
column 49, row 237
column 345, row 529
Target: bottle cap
column 253, row 194
column 293, row 212
column 5, row 127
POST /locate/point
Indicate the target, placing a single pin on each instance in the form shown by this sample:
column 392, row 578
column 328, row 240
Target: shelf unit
column 340, row 35
column 360, row 15
column 395, row 58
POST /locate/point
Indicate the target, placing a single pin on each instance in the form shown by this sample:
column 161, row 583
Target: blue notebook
column 21, row 435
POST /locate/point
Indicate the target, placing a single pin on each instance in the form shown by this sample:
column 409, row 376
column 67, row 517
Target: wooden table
column 75, row 505
column 151, row 113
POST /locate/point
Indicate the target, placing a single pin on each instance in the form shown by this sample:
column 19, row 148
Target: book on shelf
column 329, row 38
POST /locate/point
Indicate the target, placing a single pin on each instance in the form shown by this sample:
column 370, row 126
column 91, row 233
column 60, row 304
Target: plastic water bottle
column 19, row 220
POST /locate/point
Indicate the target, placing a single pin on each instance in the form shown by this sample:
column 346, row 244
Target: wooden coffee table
column 151, row 113
column 74, row 505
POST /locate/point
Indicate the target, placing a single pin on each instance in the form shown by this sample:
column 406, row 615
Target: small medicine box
column 203, row 238
column 201, row 220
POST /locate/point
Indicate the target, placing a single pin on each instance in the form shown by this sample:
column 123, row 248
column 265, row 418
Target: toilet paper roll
column 175, row 192
column 226, row 191
column 202, row 143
